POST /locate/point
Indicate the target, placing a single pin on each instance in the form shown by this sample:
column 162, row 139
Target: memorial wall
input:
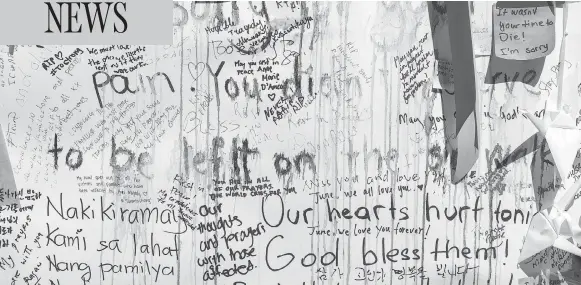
column 289, row 142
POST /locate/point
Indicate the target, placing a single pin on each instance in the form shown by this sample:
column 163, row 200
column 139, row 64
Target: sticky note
column 523, row 30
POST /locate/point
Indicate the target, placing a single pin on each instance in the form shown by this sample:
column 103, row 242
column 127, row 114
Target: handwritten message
column 524, row 33
column 288, row 143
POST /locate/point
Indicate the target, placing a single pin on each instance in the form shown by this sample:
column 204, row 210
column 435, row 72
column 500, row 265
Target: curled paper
column 554, row 227
column 562, row 135
column 7, row 181
column 452, row 33
column 440, row 27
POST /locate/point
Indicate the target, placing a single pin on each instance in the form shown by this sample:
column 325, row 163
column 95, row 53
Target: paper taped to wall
column 523, row 30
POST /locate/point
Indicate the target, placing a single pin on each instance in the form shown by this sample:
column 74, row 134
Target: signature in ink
column 11, row 128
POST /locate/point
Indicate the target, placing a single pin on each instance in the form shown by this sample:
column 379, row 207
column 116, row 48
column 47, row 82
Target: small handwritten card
column 481, row 24
column 523, row 33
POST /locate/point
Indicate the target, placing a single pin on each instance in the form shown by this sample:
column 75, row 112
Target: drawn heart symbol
column 271, row 96
column 196, row 69
column 59, row 55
